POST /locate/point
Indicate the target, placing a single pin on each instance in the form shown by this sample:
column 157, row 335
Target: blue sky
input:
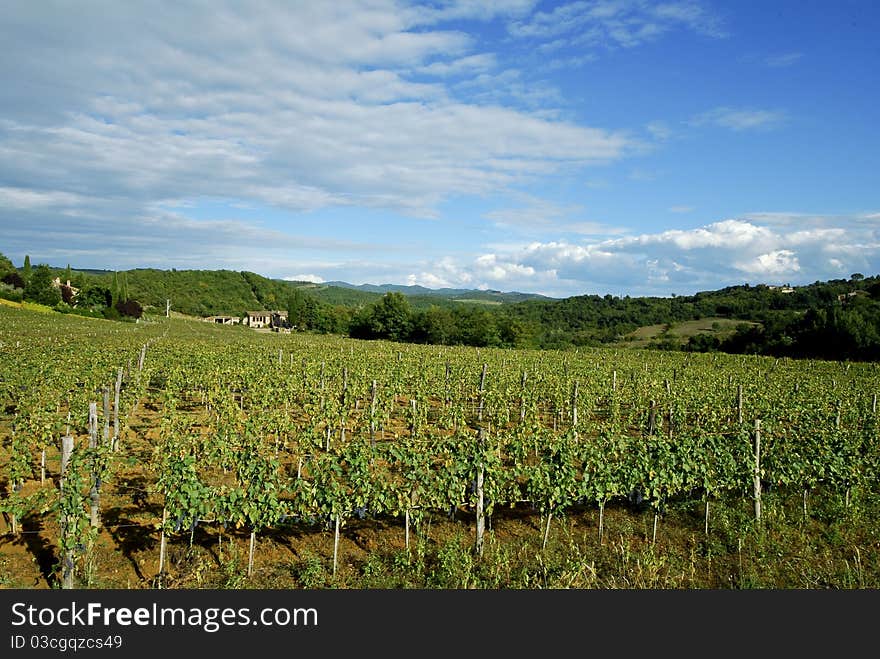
column 564, row 148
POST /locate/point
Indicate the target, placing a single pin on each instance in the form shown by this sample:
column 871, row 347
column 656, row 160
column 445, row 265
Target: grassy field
column 681, row 332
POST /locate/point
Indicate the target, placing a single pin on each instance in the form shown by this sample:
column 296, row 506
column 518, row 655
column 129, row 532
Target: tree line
column 835, row 319
column 72, row 294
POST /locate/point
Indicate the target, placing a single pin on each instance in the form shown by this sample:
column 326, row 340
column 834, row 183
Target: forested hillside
column 837, row 319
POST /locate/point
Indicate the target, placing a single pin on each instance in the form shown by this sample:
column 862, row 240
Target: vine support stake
column 481, row 518
column 336, row 546
column 757, row 474
column 106, row 392
column 94, row 494
column 373, row 393
column 162, row 547
column 343, row 398
column 482, row 388
column 116, row 409
column 547, row 530
column 66, row 451
column 250, row 570
column 739, row 403
column 67, row 562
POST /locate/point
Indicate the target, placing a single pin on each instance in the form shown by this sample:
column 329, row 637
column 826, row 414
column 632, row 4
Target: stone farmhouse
column 265, row 319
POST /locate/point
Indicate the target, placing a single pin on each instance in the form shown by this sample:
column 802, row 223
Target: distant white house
column 223, row 320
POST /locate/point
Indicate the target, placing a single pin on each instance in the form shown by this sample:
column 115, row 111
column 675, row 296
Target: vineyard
column 178, row 454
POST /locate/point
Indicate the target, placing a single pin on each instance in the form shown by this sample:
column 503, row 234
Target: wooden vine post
column 162, row 543
column 739, row 403
column 67, row 563
column 373, row 414
column 250, row 569
column 336, row 544
column 106, row 393
column 343, row 396
column 482, row 389
column 95, row 492
column 115, row 445
column 481, row 518
column 66, row 451
column 757, row 473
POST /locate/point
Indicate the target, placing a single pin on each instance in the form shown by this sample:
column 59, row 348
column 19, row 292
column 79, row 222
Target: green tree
column 392, row 317
column 435, row 325
column 114, row 288
column 26, row 270
column 40, row 289
column 6, row 266
column 301, row 310
column 389, row 318
column 94, row 298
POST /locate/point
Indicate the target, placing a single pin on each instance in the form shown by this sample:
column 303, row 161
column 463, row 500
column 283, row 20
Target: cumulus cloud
column 679, row 261
column 315, row 279
column 778, row 262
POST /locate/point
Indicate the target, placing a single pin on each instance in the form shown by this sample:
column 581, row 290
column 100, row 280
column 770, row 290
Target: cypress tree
column 114, row 289
column 26, row 270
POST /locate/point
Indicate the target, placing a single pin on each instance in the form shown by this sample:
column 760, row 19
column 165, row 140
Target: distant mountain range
column 463, row 294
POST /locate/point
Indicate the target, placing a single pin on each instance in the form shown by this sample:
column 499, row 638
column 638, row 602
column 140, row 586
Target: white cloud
column 659, row 130
column 298, row 105
column 472, row 64
column 783, row 60
column 615, row 23
column 681, row 260
column 740, row 119
column 315, row 279
column 771, row 264
column 537, row 217
column 24, row 198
